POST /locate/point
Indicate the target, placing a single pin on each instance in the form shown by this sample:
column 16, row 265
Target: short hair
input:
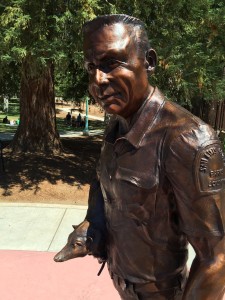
column 136, row 29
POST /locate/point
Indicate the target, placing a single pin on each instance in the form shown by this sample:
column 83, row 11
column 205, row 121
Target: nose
column 100, row 77
column 59, row 257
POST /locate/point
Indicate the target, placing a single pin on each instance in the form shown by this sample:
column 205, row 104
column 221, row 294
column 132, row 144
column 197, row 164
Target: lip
column 106, row 98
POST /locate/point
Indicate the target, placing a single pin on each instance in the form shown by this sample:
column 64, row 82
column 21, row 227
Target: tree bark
column 37, row 131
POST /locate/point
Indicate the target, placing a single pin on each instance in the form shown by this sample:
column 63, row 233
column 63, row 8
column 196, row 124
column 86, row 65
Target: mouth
column 104, row 97
column 108, row 99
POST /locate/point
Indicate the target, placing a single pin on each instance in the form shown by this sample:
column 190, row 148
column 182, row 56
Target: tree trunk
column 37, row 131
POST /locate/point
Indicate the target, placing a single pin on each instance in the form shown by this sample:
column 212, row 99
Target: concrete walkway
column 37, row 227
column 30, row 235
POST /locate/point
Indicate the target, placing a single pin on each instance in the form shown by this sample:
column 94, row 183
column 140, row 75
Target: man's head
column 135, row 28
column 118, row 58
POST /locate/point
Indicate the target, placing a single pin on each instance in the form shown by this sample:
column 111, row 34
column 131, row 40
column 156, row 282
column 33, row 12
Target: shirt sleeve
column 195, row 168
column 95, row 211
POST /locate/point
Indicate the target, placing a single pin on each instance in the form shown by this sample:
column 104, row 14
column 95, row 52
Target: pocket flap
column 140, row 179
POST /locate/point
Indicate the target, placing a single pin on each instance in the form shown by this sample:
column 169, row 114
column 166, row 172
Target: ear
column 150, row 61
column 74, row 226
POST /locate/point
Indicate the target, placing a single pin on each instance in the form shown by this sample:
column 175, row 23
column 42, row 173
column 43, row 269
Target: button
column 110, row 177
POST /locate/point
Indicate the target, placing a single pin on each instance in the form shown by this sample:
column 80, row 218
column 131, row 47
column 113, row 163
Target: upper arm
column 195, row 169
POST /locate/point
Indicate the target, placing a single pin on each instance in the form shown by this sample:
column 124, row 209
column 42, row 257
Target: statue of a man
column 161, row 174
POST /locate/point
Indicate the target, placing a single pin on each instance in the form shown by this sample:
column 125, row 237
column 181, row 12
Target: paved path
column 40, row 227
column 30, row 235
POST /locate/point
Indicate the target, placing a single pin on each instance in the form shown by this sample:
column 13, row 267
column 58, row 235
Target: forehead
column 108, row 39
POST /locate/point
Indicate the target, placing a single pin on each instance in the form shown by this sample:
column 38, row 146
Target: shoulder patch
column 209, row 168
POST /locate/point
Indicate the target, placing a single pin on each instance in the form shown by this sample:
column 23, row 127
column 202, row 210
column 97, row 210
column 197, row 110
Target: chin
column 113, row 111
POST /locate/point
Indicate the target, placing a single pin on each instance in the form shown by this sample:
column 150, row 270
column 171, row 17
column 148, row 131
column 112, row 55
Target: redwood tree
column 37, row 35
column 37, row 129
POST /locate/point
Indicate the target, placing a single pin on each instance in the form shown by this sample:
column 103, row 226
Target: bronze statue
column 161, row 174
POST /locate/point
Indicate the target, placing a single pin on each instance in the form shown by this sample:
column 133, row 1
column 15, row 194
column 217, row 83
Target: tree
column 43, row 38
column 72, row 82
column 36, row 35
column 9, row 77
column 189, row 38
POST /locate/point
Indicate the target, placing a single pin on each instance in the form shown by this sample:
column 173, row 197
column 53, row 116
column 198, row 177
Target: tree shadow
column 76, row 166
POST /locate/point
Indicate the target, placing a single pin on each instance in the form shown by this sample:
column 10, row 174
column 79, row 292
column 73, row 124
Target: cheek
column 92, row 90
column 125, row 79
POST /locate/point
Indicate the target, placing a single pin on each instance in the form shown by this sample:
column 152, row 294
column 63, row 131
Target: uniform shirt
column 162, row 180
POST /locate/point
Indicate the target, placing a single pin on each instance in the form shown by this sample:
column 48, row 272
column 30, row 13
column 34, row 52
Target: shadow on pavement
column 76, row 165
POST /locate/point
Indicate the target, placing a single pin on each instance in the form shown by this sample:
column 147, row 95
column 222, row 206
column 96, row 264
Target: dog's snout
column 59, row 257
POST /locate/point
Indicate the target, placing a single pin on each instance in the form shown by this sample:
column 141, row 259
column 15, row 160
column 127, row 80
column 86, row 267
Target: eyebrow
column 109, row 54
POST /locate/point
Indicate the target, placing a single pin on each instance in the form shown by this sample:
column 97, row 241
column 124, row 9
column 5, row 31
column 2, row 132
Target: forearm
column 206, row 280
column 95, row 212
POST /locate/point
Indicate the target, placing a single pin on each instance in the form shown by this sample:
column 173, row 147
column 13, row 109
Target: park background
column 42, row 78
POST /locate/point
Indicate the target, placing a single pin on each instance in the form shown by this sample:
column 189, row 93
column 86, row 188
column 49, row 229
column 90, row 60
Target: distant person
column 6, row 104
column 79, row 120
column 68, row 118
column 73, row 123
column 82, row 124
column 5, row 120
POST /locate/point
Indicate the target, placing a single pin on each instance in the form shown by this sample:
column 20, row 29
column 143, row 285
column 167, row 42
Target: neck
column 147, row 96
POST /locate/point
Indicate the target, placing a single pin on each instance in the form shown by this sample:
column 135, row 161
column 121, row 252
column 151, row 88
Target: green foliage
column 187, row 34
column 39, row 32
column 189, row 38
column 72, row 84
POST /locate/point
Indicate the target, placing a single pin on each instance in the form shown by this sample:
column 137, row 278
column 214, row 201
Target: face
column 118, row 78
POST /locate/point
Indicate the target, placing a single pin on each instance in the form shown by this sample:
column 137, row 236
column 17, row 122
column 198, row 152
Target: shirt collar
column 142, row 120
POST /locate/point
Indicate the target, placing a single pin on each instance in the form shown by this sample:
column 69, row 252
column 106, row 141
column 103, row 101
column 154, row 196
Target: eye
column 111, row 64
column 78, row 243
column 89, row 67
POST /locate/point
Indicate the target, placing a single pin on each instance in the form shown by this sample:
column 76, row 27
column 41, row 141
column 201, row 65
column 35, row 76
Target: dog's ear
column 74, row 226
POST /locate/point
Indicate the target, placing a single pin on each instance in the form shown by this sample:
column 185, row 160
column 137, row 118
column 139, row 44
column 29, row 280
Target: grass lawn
column 13, row 114
column 61, row 126
column 7, row 127
column 92, row 124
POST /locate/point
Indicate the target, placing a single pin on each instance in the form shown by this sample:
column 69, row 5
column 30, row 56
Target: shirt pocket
column 139, row 179
column 136, row 193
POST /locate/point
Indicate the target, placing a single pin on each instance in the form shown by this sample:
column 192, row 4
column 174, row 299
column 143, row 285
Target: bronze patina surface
column 161, row 174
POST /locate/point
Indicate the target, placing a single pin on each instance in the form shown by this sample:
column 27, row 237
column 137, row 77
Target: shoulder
column 191, row 146
column 189, row 138
column 197, row 151
column 182, row 127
